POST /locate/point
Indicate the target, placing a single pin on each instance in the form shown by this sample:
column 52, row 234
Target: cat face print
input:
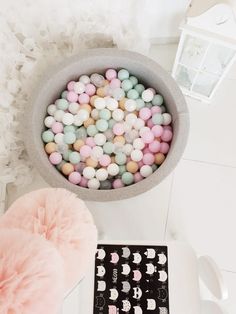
column 101, row 254
column 101, row 271
column 113, row 294
column 137, row 258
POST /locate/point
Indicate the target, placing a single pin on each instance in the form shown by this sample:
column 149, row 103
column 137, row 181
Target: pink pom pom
column 63, row 219
column 30, row 268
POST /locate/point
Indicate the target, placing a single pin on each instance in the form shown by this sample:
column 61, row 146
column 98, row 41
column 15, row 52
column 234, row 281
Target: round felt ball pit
column 149, row 73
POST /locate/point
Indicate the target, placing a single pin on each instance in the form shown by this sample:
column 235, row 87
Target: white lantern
column 206, row 51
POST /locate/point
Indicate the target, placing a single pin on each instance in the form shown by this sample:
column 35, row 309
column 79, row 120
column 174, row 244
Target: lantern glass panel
column 205, row 83
column 185, row 76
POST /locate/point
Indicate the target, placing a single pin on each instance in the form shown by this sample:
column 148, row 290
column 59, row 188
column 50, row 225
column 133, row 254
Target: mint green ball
column 134, row 80
column 140, row 103
column 126, row 85
column 157, row 100
column 64, row 94
column 111, row 123
column 101, row 125
column 122, row 169
column 47, row 136
column 69, row 128
column 81, row 133
column 139, row 88
column 92, row 130
column 127, row 178
column 108, row 148
column 74, row 158
column 123, row 74
column 120, row 159
column 157, row 118
column 66, row 154
column 105, row 114
column 69, row 137
column 62, row 104
column 133, row 94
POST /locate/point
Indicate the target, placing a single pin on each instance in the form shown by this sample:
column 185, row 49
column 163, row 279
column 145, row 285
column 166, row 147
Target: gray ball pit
column 97, row 60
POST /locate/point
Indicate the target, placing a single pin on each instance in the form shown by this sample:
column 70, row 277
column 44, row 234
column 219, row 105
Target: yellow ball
column 50, row 147
column 159, row 158
column 86, row 107
column 67, row 168
column 119, row 139
column 90, row 162
column 89, row 122
column 132, row 166
column 101, row 92
column 92, row 99
column 78, row 144
column 122, row 103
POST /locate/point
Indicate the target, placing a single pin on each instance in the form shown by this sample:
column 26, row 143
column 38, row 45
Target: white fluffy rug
column 37, row 34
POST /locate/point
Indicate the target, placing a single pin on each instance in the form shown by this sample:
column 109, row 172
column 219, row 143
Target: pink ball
column 157, row 130
column 147, row 137
column 90, row 141
column 155, row 109
column 164, row 148
column 90, row 89
column 118, row 129
column 150, row 123
column 137, row 177
column 72, row 96
column 117, row 184
column 115, row 83
column 140, row 164
column 57, row 127
column 74, row 177
column 145, row 113
column 110, row 74
column 55, row 158
column 70, row 85
column 153, row 90
column 83, row 182
column 148, row 159
column 84, row 98
column 80, row 167
column 146, row 150
column 155, row 146
column 85, row 151
column 167, row 127
column 166, row 136
column 105, row 160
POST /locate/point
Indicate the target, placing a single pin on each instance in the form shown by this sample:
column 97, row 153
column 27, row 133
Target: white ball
column 89, row 172
column 73, row 107
column 147, row 95
column 58, row 115
column 113, row 169
column 83, row 114
column 93, row 184
column 166, row 118
column 138, row 144
column 127, row 127
column 143, row 130
column 68, row 118
column 130, row 105
column 77, row 120
column 59, row 138
column 118, row 115
column 97, row 152
column 95, row 114
column 136, row 155
column 101, row 174
column 111, row 103
column 84, row 79
column 99, row 103
column 51, row 109
column 145, row 171
column 131, row 118
column 79, row 87
column 139, row 123
column 48, row 121
column 100, row 139
column 127, row 149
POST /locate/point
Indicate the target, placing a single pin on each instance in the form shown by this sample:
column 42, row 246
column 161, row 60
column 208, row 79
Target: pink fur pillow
column 31, row 274
column 63, row 219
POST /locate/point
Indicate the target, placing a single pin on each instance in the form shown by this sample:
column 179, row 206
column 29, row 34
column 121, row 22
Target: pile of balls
column 107, row 131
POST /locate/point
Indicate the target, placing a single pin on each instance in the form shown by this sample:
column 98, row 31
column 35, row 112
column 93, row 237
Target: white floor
column 197, row 202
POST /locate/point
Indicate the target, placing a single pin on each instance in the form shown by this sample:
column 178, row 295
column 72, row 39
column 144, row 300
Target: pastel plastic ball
column 164, row 148
column 113, row 169
column 92, row 130
column 85, row 151
column 50, row 147
column 108, row 148
column 90, row 141
column 140, row 104
column 155, row 109
column 59, row 138
column 83, row 114
column 157, row 130
column 48, row 121
column 74, row 158
column 136, row 155
column 83, row 98
column 74, row 177
column 78, row 144
column 100, row 139
column 83, row 182
column 137, row 177
column 101, row 174
column 148, row 159
column 58, row 115
column 84, row 79
column 77, row 120
column 89, row 172
column 138, row 144
column 118, row 93
column 157, row 118
column 68, row 118
column 62, row 104
column 118, row 129
column 154, row 146
column 73, row 107
column 72, row 96
column 159, row 158
column 55, row 158
column 79, row 88
column 133, row 80
column 127, row 149
column 139, row 124
column 99, row 103
column 132, row 166
column 118, row 115
column 51, row 109
column 110, row 74
column 120, row 159
column 123, row 74
column 131, row 118
column 97, row 152
column 127, row 178
column 47, row 136
column 117, row 184
column 105, row 160
column 130, row 105
column 67, row 168
column 167, row 119
column 157, row 100
column 90, row 89
column 111, row 103
column 146, row 171
column 105, row 114
column 133, row 94
column 93, row 184
column 166, row 136
column 101, row 125
column 147, row 137
column 147, row 95
column 139, row 88
column 115, row 83
column 126, row 85
column 145, row 113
